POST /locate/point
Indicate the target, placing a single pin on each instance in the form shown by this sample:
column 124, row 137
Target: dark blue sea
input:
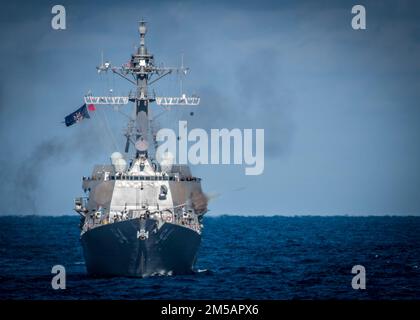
column 240, row 258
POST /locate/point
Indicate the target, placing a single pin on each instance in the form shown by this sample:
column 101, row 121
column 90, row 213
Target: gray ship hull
column 116, row 250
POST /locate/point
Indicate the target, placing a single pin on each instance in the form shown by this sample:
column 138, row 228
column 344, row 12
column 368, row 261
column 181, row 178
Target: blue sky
column 340, row 107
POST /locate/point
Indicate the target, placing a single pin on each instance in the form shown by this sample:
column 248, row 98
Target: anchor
column 142, row 234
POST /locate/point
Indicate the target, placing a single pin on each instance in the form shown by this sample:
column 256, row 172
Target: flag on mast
column 77, row 116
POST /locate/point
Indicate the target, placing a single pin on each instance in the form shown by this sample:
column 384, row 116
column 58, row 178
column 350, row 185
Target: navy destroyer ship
column 139, row 216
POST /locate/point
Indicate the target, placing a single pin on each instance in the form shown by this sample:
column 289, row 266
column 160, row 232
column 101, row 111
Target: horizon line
column 242, row 215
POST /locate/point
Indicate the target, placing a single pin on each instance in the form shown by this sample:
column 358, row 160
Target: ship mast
column 141, row 69
column 142, row 61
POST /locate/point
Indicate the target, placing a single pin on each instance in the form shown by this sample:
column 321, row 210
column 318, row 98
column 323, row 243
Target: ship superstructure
column 141, row 217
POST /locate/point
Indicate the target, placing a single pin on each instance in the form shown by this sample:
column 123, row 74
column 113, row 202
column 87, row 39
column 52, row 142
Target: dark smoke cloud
column 31, row 171
column 26, row 175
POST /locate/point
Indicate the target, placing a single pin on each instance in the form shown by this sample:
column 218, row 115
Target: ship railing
column 144, row 209
column 178, row 101
column 111, row 100
column 172, row 177
column 152, row 178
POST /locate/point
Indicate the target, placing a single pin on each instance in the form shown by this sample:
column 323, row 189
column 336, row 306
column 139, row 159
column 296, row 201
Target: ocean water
column 240, row 258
